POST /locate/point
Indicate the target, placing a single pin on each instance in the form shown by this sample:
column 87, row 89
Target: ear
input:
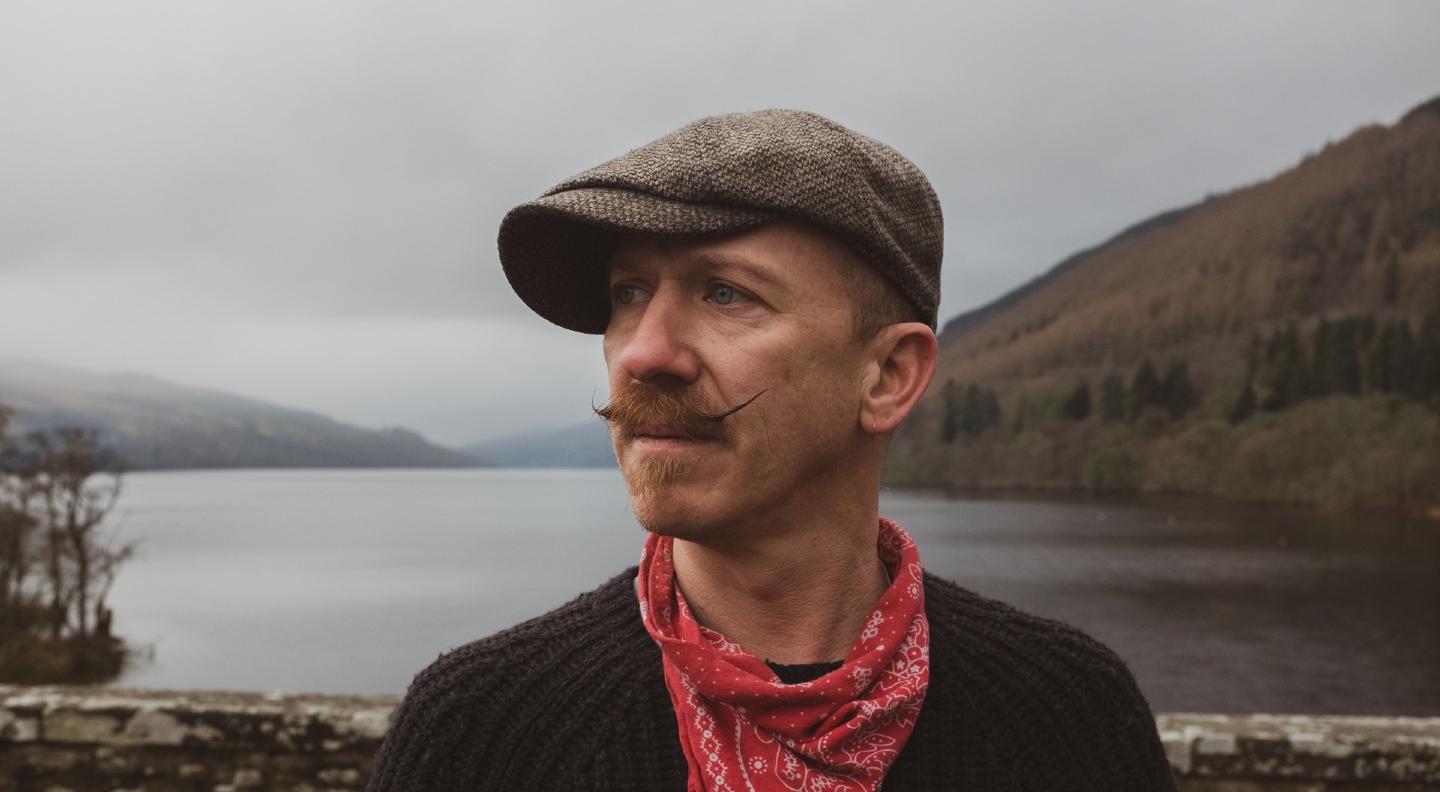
column 902, row 361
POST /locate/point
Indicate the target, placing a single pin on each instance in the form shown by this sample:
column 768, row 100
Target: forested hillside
column 1277, row 342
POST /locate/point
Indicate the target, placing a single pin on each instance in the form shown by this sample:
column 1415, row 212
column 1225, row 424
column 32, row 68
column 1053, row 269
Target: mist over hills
column 154, row 424
column 1296, row 321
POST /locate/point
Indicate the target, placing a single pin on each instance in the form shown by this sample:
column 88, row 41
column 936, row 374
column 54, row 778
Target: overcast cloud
column 298, row 200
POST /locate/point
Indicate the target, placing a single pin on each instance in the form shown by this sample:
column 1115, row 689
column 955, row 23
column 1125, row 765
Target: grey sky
column 298, row 200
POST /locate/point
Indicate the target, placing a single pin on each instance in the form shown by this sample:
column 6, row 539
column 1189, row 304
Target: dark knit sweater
column 575, row 700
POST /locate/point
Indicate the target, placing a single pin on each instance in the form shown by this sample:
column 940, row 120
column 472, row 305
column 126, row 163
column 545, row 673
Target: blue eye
column 626, row 294
column 723, row 295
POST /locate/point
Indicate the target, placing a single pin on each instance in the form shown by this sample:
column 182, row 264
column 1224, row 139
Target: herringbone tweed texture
column 723, row 174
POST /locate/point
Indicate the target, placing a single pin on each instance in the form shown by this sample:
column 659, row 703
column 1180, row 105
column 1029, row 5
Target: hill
column 1309, row 298
column 154, row 424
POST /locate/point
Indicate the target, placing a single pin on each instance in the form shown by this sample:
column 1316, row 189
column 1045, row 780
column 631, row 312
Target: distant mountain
column 1280, row 341
column 581, row 445
column 154, row 424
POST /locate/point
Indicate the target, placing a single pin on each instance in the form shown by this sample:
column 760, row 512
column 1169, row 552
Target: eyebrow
column 737, row 263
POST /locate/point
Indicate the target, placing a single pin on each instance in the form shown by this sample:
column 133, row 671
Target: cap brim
column 554, row 250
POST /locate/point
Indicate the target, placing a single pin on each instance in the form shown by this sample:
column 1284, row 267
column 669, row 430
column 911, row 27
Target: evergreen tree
column 950, row 415
column 1252, row 357
column 1392, row 279
column 1377, row 363
column 1321, row 360
column 1144, row 388
column 1304, row 371
column 1405, row 361
column 1344, row 357
column 989, row 408
column 1367, row 329
column 1289, row 379
column 970, row 422
column 1077, row 406
column 1177, row 394
column 1244, row 405
column 1112, row 399
column 1395, row 360
column 1428, row 350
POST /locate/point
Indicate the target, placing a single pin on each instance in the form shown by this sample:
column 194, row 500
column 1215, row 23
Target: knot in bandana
column 743, row 730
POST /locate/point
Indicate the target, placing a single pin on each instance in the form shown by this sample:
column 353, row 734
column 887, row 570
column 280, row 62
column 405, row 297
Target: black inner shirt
column 805, row 672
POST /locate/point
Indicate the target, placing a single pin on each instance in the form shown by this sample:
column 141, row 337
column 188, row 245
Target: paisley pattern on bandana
column 743, row 730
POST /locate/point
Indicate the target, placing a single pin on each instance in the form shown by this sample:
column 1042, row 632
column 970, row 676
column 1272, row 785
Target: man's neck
column 797, row 596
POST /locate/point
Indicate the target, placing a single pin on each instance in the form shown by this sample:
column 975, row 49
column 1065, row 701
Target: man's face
column 764, row 317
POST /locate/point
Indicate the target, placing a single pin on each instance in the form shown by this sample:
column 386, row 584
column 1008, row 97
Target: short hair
column 877, row 303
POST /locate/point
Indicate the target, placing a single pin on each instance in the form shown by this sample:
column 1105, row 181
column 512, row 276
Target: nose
column 657, row 344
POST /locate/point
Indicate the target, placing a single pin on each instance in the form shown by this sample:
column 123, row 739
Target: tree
column 1077, row 406
column 1377, row 365
column 1427, row 345
column 78, row 485
column 17, row 528
column 1344, row 363
column 1112, row 399
column 1244, row 404
column 980, row 410
column 1177, row 394
column 950, row 413
column 1405, row 361
column 1392, row 279
column 1335, row 366
column 1290, row 381
column 1320, row 345
column 990, row 408
column 57, row 488
column 1395, row 360
column 1144, row 388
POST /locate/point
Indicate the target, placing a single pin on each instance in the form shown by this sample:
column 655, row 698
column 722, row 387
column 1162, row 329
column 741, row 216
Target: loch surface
column 352, row 580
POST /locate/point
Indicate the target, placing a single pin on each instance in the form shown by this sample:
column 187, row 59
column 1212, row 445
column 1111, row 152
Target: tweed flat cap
column 719, row 175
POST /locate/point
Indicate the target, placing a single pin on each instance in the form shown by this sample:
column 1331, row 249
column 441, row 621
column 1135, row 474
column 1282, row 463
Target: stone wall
column 79, row 739
column 1302, row 753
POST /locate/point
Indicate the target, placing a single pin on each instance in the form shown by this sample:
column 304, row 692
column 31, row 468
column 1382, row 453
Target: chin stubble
column 638, row 403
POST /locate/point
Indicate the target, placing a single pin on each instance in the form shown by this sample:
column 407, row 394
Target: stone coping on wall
column 292, row 723
column 1329, row 749
column 241, row 733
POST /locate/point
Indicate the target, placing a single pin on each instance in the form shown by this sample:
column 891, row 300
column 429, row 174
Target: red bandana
column 743, row 730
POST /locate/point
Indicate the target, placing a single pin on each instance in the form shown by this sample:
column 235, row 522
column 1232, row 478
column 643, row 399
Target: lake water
column 351, row 581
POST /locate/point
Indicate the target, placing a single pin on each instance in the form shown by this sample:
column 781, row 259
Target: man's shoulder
column 992, row 627
column 600, row 622
column 492, row 709
column 1038, row 686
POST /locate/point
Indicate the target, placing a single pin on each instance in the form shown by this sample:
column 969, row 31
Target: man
column 767, row 286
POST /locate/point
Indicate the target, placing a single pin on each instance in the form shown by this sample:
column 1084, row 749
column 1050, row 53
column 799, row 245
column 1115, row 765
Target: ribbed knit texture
column 576, row 700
